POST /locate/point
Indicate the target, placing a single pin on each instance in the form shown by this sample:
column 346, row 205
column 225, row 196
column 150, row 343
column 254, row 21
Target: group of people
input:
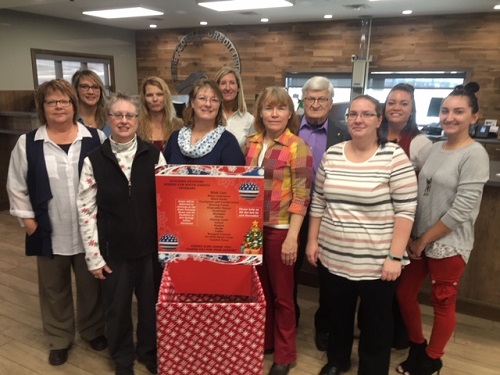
column 345, row 197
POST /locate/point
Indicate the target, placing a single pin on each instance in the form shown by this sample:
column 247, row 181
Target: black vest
column 40, row 242
column 126, row 212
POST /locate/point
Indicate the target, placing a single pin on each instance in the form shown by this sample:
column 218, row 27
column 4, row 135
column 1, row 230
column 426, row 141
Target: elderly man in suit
column 321, row 127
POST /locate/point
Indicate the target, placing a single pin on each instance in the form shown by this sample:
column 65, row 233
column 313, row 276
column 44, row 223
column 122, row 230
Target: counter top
column 18, row 114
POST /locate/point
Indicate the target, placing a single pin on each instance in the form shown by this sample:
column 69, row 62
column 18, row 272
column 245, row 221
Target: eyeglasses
column 204, row 99
column 87, row 87
column 119, row 116
column 53, row 103
column 310, row 100
column 363, row 115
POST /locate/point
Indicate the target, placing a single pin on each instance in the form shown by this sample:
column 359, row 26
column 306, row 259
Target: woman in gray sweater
column 450, row 188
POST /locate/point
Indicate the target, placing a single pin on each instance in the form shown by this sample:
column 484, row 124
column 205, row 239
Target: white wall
column 19, row 32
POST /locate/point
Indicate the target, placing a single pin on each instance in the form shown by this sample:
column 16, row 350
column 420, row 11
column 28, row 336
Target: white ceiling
column 187, row 14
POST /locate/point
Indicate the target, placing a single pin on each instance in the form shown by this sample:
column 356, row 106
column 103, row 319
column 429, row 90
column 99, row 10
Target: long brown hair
column 101, row 114
column 170, row 122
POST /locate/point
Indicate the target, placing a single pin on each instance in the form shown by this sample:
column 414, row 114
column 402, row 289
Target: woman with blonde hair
column 234, row 108
column 91, row 99
column 157, row 119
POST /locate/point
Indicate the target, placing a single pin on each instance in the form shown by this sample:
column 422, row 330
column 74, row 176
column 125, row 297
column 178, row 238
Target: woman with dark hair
column 204, row 138
column 287, row 163
column 399, row 116
column 450, row 189
column 361, row 216
column 157, row 118
column 234, row 108
column 42, row 183
column 91, row 99
column 399, row 113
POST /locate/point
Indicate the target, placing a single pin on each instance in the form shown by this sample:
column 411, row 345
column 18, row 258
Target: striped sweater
column 357, row 204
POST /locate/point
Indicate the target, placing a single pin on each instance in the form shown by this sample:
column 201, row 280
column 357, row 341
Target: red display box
column 210, row 334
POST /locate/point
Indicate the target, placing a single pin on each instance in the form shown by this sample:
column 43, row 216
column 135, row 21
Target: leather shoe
column 58, row 356
column 268, row 351
column 99, row 343
column 124, row 371
column 321, row 340
column 333, row 370
column 277, row 369
column 150, row 364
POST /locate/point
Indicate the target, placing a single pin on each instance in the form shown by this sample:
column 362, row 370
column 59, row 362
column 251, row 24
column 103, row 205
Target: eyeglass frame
column 362, row 115
column 322, row 100
column 86, row 87
column 204, row 99
column 119, row 116
column 53, row 103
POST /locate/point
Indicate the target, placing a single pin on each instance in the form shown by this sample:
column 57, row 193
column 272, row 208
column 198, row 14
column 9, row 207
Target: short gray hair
column 117, row 97
column 318, row 83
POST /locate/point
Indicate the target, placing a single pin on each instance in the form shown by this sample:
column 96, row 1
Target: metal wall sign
column 198, row 35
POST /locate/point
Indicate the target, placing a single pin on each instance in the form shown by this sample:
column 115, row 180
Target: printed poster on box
column 210, row 219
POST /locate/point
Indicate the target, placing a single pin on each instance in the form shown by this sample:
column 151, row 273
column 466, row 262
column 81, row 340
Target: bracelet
column 392, row 257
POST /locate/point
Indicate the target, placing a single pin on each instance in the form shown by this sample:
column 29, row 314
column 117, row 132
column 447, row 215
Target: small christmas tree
column 253, row 240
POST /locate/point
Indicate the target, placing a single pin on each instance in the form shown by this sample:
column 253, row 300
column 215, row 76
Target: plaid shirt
column 287, row 175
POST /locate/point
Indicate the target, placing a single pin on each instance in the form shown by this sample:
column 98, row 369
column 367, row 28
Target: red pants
column 445, row 276
column 278, row 283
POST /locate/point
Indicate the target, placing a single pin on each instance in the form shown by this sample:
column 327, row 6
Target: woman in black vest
column 117, row 207
column 42, row 184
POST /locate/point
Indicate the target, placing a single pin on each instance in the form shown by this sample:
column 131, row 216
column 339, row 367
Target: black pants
column 322, row 315
column 376, row 322
column 130, row 276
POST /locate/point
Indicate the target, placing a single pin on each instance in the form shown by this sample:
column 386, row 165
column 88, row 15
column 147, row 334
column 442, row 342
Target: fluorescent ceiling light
column 497, row 7
column 407, row 11
column 123, row 13
column 224, row 6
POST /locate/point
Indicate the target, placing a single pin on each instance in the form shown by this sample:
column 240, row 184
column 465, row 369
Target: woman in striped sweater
column 362, row 211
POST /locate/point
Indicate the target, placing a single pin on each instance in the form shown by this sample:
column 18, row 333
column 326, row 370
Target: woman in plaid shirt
column 287, row 163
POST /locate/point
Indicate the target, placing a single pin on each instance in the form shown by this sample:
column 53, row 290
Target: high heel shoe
column 414, row 355
column 428, row 366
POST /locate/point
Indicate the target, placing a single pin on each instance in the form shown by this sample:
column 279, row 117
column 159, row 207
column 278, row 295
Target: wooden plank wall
column 458, row 42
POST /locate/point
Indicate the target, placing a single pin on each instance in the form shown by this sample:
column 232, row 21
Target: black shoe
column 415, row 355
column 124, row 370
column 333, row 370
column 151, row 365
column 428, row 366
column 99, row 343
column 269, row 351
column 321, row 340
column 58, row 357
column 277, row 369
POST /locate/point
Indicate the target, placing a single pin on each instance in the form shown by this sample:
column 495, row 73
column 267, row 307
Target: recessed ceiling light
column 328, row 16
column 264, row 20
column 224, row 6
column 152, row 26
column 407, row 11
column 203, row 23
column 497, row 7
column 123, row 13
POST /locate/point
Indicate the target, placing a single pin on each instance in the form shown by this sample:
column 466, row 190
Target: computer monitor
column 434, row 107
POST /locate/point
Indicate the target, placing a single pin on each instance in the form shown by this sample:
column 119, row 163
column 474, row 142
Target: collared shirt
column 287, row 176
column 62, row 170
column 316, row 138
column 241, row 125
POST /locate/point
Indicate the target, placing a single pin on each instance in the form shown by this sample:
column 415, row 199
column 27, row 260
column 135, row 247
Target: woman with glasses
column 117, row 208
column 42, row 184
column 450, row 189
column 91, row 99
column 361, row 216
column 204, row 138
column 234, row 108
column 157, row 119
column 287, row 163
